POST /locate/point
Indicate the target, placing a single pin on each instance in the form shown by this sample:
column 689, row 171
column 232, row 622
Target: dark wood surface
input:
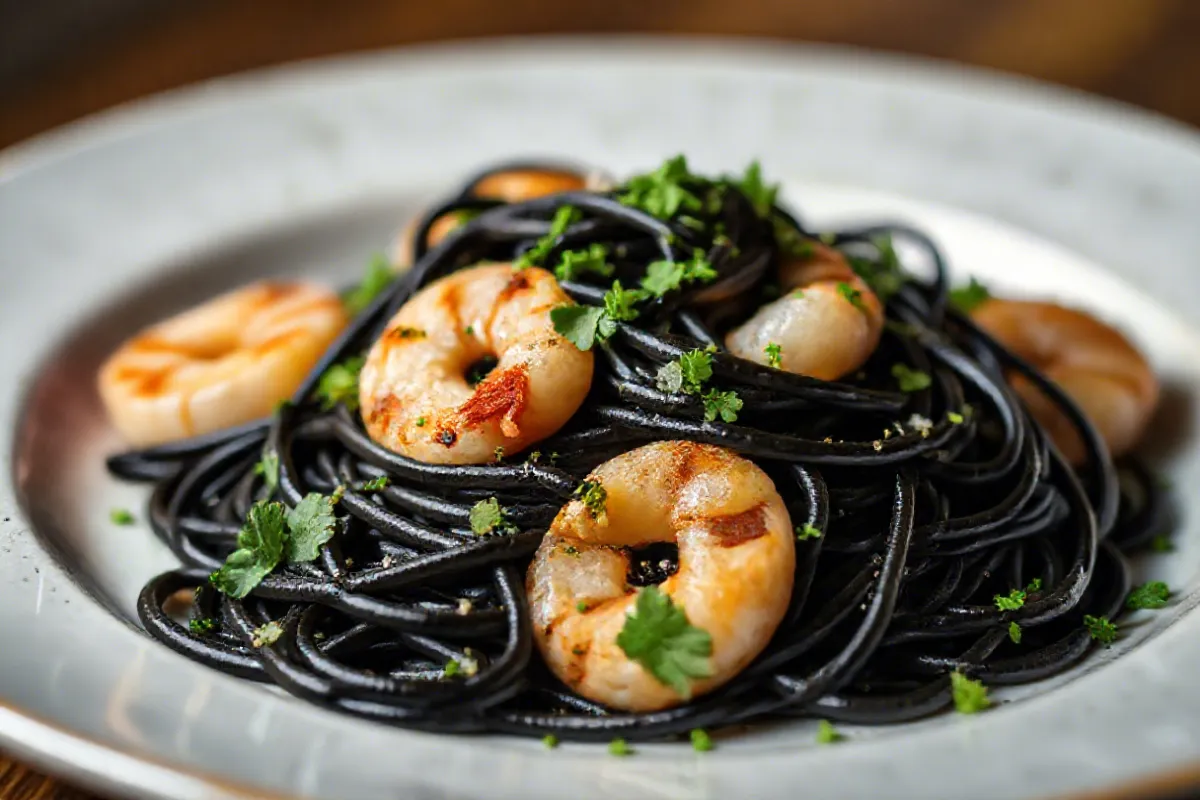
column 66, row 60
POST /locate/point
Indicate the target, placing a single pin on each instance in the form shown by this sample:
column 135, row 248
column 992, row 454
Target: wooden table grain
column 1143, row 52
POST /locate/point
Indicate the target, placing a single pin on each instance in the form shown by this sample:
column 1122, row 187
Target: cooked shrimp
column 511, row 186
column 826, row 325
column 736, row 565
column 1096, row 365
column 413, row 388
column 228, row 361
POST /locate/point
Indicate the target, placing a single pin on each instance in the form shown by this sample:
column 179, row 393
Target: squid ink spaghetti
column 942, row 541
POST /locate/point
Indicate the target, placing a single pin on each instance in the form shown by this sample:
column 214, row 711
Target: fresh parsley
column 725, row 405
column 1014, row 632
column 826, row 733
column 488, row 516
column 688, row 374
column 662, row 193
column 339, row 384
column 968, row 298
column 852, row 296
column 910, row 380
column 259, row 550
column 807, row 531
column 792, row 242
column 451, row 669
column 774, row 354
column 583, row 326
column 310, row 525
column 574, row 264
column 550, row 741
column 536, row 255
column 1010, row 602
column 666, row 276
column 954, row 417
column 202, row 625
column 1162, row 544
column 594, row 496
column 884, row 275
column 619, row 747
column 1149, row 595
column 760, row 194
column 701, row 741
column 266, row 634
column 1101, row 629
column 378, row 277
column 376, row 484
column 121, row 516
column 970, row 696
column 619, row 302
column 268, row 468
column 1034, row 586
column 658, row 636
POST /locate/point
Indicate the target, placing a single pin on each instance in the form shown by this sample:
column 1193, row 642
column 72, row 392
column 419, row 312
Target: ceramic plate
column 308, row 170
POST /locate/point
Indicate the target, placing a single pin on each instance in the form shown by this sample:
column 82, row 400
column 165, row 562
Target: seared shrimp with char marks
column 1095, row 364
column 827, row 323
column 413, row 389
column 736, row 566
column 228, row 361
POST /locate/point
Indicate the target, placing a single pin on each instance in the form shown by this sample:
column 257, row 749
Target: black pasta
column 923, row 521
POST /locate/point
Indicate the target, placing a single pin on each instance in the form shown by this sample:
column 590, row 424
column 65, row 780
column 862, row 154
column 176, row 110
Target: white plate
column 307, row 169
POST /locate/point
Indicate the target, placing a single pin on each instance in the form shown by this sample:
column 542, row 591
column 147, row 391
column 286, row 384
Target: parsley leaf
column 701, row 741
column 487, row 516
column 1035, row 585
column 761, row 195
column 202, row 625
column 885, row 276
column 954, row 417
column 1014, row 600
column 659, row 637
column 378, row 277
column 376, row 484
column 1100, row 628
column 339, row 384
column 1014, row 632
column 970, row 696
column 266, row 634
column 661, row 193
column 535, row 255
column 721, row 404
column 120, row 516
column 268, row 467
column 967, row 298
column 310, row 525
column 807, row 531
column 695, row 368
column 1162, row 544
column 774, row 354
column 619, row 747
column 852, row 296
column 669, row 377
column 578, row 324
column 619, row 302
column 259, row 549
column 662, row 277
column 1149, row 595
column 827, row 734
column 910, row 380
column 792, row 242
column 593, row 495
column 574, row 264
column 550, row 741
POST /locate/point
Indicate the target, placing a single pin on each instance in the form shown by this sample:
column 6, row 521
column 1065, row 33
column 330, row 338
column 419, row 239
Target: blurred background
column 62, row 59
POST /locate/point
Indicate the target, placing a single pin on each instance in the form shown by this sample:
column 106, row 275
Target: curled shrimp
column 414, row 392
column 826, row 325
column 736, row 566
column 511, row 186
column 227, row 361
column 1095, row 364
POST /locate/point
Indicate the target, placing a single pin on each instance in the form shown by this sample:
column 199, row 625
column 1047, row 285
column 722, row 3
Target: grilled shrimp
column 826, row 325
column 228, row 361
column 413, row 389
column 511, row 186
column 1095, row 364
column 736, row 566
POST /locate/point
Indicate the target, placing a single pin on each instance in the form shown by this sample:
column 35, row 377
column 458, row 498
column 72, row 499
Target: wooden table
column 1145, row 52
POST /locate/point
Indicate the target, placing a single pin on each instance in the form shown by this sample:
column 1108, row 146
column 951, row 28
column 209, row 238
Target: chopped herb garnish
column 954, row 417
column 725, row 405
column 701, row 741
column 259, row 550
column 792, row 242
column 268, row 467
column 1014, row 632
column 121, row 516
column 1010, row 602
column 1101, row 629
column 761, row 195
column 774, row 354
column 378, row 277
column 619, row 747
column 970, row 696
column 581, row 325
column 266, row 634
column 695, row 367
column 593, row 495
column 339, row 384
column 451, row 669
column 1162, row 544
column 202, row 625
column 826, row 733
column 852, row 296
column 536, row 255
column 619, row 302
column 581, row 607
column 1149, row 595
column 884, row 276
column 910, row 380
column 661, row 193
column 376, row 484
column 807, row 531
column 669, row 377
column 310, row 525
column 967, row 298
column 487, row 516
column 420, row 422
column 1034, row 586
column 658, row 636
column 574, row 264
column 550, row 741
